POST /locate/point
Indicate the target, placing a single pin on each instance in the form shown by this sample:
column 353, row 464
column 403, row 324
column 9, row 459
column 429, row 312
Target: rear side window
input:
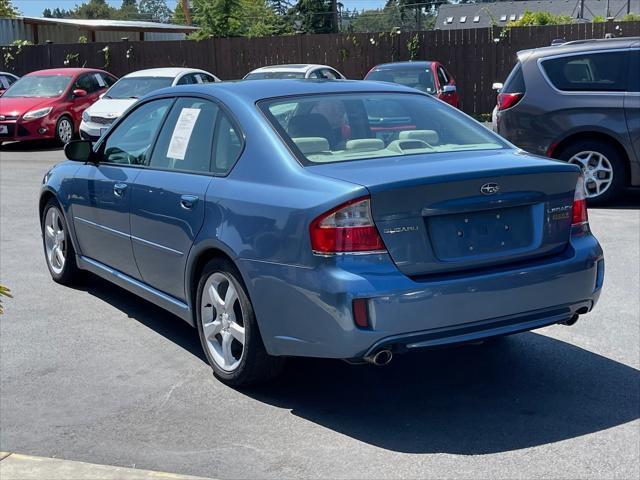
column 515, row 81
column 598, row 72
column 186, row 139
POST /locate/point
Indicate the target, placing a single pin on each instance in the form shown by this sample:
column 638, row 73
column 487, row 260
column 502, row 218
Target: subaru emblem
column 490, row 188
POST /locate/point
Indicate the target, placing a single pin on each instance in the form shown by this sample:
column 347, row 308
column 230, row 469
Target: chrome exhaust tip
column 380, row 358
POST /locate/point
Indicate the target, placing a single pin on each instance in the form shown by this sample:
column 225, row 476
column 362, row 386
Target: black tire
column 619, row 175
column 69, row 274
column 59, row 139
column 256, row 365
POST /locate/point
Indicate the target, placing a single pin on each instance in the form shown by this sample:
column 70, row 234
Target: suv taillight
column 508, row 100
column 580, row 204
column 346, row 228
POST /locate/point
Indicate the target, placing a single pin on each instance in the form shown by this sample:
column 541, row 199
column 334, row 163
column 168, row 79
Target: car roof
column 394, row 65
column 247, row 91
column 10, row 74
column 578, row 46
column 291, row 67
column 64, row 71
column 171, row 72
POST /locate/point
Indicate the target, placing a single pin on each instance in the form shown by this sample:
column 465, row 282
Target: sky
column 33, row 8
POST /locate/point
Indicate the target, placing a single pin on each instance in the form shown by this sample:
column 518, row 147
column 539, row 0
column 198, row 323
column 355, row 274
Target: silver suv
column 579, row 102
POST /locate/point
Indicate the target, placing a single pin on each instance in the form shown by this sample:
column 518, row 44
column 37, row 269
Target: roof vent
column 476, row 19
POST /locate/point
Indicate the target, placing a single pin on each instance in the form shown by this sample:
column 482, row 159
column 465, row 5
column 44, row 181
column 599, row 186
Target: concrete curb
column 14, row 466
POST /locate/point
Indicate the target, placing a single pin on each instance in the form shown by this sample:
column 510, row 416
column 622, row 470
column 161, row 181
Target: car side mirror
column 78, row 92
column 449, row 89
column 497, row 86
column 78, row 150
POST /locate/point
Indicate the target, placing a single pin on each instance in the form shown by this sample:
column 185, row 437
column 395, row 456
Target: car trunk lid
column 441, row 213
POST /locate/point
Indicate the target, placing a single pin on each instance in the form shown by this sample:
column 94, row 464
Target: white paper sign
column 198, row 78
column 182, row 133
column 100, row 80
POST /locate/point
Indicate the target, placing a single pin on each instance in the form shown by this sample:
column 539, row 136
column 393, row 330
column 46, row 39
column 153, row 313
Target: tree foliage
column 232, row 18
column 7, row 10
column 540, row 18
column 311, row 16
column 155, row 10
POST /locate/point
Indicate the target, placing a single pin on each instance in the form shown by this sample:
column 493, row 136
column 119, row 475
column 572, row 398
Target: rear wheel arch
column 566, row 142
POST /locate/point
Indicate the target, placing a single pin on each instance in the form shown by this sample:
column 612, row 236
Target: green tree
column 311, row 16
column 280, row 7
column 178, row 17
column 232, row 18
column 7, row 10
column 155, row 10
column 219, row 18
column 631, row 17
column 128, row 10
column 540, row 18
column 94, row 9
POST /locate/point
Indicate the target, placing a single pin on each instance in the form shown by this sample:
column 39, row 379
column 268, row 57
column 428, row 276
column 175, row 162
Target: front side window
column 442, row 77
column 634, row 70
column 136, row 87
column 130, row 141
column 420, row 78
column 335, row 128
column 185, row 142
column 599, row 72
column 45, row 86
column 88, row 83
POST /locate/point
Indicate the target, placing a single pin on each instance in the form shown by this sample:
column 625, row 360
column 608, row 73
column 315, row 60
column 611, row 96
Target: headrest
column 309, row 145
column 365, row 144
column 429, row 136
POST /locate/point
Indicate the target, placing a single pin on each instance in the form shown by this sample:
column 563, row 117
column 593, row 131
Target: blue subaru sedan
column 335, row 219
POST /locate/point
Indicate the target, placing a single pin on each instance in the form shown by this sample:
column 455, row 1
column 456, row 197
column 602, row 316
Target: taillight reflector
column 508, row 100
column 346, row 228
column 360, row 315
column 580, row 204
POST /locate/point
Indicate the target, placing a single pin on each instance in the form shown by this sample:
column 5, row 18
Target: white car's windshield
column 46, row 86
column 136, row 87
column 340, row 127
column 272, row 75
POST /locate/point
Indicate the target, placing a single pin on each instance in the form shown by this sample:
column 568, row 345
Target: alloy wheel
column 597, row 171
column 65, row 130
column 55, row 240
column 223, row 321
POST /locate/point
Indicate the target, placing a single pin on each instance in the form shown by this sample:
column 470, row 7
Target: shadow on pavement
column 629, row 200
column 147, row 313
column 517, row 392
column 31, row 146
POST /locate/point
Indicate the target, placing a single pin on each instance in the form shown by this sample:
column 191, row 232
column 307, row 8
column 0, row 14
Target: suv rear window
column 515, row 81
column 606, row 71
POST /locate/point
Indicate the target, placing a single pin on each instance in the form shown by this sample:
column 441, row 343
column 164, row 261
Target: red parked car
column 429, row 77
column 49, row 103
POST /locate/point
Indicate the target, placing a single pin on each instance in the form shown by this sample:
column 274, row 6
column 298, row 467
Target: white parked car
column 6, row 80
column 126, row 91
column 300, row 71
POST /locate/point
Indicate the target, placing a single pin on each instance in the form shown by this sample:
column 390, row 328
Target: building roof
column 482, row 15
column 119, row 25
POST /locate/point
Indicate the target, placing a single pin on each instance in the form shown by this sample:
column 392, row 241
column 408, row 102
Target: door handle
column 119, row 188
column 188, row 201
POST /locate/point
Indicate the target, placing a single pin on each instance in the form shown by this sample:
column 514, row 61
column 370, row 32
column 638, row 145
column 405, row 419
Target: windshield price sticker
column 182, row 133
column 100, row 80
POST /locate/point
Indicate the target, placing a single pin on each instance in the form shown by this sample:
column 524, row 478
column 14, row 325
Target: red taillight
column 580, row 204
column 508, row 100
column 347, row 228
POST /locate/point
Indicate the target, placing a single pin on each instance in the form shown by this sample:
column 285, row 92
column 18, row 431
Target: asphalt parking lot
column 98, row 375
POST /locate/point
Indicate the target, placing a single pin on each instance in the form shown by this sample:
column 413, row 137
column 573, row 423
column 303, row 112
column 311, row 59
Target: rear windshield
column 344, row 127
column 414, row 77
column 271, row 75
column 136, row 87
column 39, row 86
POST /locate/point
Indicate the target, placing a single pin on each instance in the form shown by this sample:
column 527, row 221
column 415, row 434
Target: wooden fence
column 476, row 57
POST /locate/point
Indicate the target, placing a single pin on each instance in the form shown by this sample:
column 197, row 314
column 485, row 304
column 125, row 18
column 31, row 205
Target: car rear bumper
column 308, row 311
